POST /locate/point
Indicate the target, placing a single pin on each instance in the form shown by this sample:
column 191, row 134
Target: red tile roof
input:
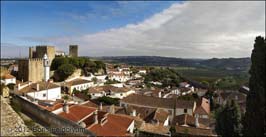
column 77, row 112
column 33, row 87
column 7, row 76
column 136, row 99
column 116, row 125
column 203, row 107
column 189, row 120
column 53, row 107
column 192, row 131
column 161, row 115
column 154, row 128
column 77, row 81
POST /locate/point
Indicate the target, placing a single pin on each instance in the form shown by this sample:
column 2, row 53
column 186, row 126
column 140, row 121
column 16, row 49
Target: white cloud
column 191, row 29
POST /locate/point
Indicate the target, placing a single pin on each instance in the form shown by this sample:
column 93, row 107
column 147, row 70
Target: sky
column 185, row 29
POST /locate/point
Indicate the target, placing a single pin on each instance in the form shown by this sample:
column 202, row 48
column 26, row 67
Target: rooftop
column 7, row 76
column 77, row 81
column 203, row 107
column 148, row 101
column 116, row 125
column 77, row 112
column 33, row 87
column 182, row 130
column 154, row 128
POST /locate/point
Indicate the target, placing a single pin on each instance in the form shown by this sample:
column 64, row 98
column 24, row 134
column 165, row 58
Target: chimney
column 160, row 94
column 37, row 87
column 66, row 108
column 197, row 120
column 112, row 109
column 18, row 86
column 134, row 112
column 101, row 106
column 96, row 117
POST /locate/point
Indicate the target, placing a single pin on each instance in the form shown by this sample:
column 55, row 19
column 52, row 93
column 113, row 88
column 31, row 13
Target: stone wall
column 23, row 71
column 49, row 50
column 73, row 50
column 36, row 70
column 57, row 124
column 11, row 123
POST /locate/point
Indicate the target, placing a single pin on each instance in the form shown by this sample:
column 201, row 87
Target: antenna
column 19, row 52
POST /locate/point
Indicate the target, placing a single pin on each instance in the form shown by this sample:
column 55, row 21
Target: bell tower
column 46, row 65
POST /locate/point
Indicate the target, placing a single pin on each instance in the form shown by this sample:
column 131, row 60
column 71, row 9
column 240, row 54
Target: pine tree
column 254, row 122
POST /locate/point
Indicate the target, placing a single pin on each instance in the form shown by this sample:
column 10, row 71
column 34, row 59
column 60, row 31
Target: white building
column 8, row 79
column 44, row 90
column 110, row 91
column 39, row 90
column 78, row 84
column 46, row 65
column 119, row 77
column 142, row 71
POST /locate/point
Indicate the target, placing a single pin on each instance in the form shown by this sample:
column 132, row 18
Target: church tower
column 46, row 65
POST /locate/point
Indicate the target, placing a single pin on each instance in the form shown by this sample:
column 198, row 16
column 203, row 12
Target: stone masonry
column 11, row 123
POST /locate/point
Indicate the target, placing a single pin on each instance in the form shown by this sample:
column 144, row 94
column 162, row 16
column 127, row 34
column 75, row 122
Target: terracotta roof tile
column 77, row 112
column 33, row 87
column 157, row 102
column 181, row 130
column 7, row 76
column 116, row 125
column 154, row 128
column 203, row 107
column 161, row 115
column 77, row 81
column 189, row 120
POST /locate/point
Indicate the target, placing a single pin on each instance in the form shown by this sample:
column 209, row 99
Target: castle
column 73, row 50
column 32, row 69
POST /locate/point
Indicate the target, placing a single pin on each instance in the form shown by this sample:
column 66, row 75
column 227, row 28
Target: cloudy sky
column 175, row 29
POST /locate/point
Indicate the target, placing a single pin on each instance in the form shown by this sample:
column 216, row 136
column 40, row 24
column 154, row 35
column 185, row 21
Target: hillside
column 231, row 64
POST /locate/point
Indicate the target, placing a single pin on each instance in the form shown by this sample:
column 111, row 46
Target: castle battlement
column 36, row 59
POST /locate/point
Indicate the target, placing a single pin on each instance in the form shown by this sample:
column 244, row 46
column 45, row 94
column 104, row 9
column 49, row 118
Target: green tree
column 228, row 120
column 57, row 62
column 65, row 70
column 94, row 79
column 108, row 100
column 206, row 83
column 254, row 122
column 74, row 61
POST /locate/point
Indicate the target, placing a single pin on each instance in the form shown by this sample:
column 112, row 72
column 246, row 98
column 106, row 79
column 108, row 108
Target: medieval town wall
column 59, row 125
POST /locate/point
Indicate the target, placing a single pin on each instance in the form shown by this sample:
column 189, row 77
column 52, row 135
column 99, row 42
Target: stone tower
column 46, row 65
column 32, row 69
column 73, row 50
column 48, row 50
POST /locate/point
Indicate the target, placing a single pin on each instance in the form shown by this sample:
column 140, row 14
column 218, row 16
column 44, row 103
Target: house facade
column 78, row 84
column 39, row 91
column 8, row 79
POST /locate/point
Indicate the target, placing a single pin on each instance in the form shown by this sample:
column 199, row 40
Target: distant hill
column 230, row 64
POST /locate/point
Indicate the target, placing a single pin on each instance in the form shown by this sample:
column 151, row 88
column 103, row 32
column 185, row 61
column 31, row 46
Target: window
column 185, row 110
column 44, row 95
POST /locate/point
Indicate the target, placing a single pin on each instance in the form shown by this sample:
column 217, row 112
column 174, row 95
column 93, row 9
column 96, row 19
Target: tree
column 57, row 62
column 254, row 121
column 65, row 70
column 74, row 61
column 95, row 80
column 228, row 120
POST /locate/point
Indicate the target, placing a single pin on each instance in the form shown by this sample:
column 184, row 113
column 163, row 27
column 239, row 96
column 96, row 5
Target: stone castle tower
column 73, row 50
column 32, row 69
